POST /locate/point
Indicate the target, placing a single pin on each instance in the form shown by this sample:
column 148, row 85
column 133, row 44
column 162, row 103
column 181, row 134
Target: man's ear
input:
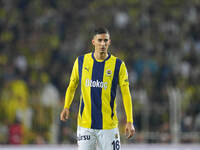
column 93, row 41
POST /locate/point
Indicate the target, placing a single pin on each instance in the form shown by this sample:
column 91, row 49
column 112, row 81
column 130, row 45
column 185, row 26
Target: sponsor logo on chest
column 97, row 84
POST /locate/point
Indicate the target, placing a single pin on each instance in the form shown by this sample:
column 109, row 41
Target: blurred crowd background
column 158, row 39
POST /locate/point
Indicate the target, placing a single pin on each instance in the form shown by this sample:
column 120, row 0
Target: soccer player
column 98, row 74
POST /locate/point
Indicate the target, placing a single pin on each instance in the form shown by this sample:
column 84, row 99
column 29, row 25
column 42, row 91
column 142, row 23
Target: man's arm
column 64, row 115
column 129, row 129
column 126, row 96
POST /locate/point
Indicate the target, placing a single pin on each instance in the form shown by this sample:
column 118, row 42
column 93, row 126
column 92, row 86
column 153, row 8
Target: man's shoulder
column 116, row 58
column 85, row 55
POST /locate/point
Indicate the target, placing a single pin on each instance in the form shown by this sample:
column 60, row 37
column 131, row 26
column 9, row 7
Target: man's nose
column 103, row 43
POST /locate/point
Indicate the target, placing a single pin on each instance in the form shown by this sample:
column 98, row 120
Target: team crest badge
column 108, row 72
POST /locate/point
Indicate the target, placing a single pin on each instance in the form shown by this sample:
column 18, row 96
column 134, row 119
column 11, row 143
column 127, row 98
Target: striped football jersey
column 98, row 81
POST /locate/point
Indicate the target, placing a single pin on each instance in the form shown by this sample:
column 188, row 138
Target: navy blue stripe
column 80, row 68
column 114, row 84
column 97, row 74
column 82, row 107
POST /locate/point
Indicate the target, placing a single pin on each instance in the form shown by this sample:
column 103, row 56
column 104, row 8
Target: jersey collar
column 104, row 59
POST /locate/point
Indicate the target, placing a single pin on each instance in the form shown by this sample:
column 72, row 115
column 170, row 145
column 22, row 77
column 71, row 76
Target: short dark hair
column 101, row 30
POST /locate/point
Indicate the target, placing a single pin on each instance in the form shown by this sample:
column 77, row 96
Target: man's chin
column 103, row 52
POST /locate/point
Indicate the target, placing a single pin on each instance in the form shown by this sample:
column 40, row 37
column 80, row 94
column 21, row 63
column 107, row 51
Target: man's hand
column 64, row 115
column 129, row 130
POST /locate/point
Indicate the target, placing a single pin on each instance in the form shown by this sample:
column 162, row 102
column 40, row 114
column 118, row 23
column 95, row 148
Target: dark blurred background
column 158, row 39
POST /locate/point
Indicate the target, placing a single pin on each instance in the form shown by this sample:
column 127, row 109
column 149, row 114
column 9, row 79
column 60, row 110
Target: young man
column 99, row 73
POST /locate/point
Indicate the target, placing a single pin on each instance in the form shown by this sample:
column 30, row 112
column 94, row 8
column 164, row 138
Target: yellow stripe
column 108, row 122
column 85, row 120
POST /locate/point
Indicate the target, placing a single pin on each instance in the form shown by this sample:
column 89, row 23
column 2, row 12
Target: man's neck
column 100, row 56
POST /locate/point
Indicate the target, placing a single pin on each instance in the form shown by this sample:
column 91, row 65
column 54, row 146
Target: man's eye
column 99, row 40
column 106, row 40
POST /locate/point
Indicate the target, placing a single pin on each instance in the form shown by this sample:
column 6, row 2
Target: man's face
column 101, row 42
